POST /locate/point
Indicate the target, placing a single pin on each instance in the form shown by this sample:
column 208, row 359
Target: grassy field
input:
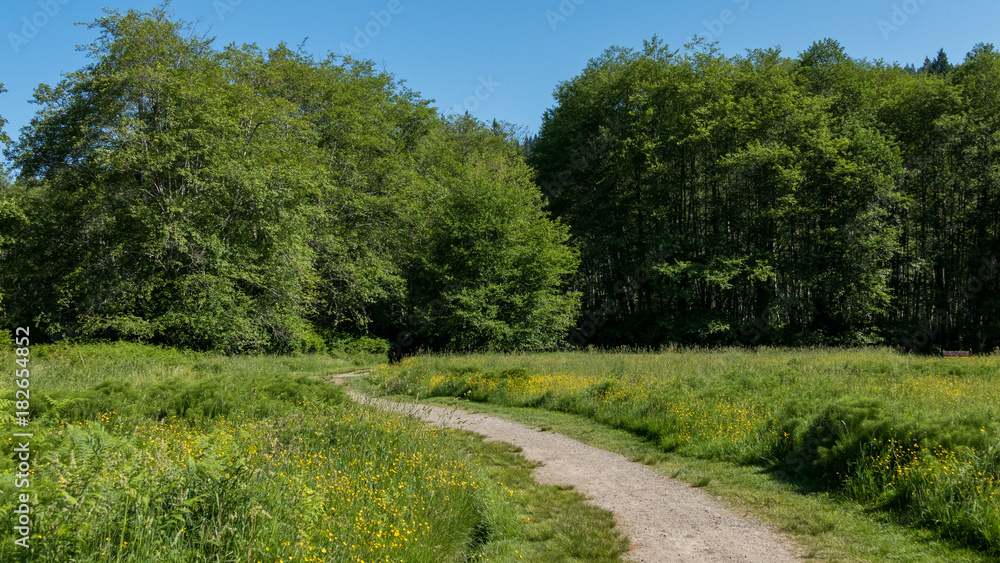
column 145, row 455
column 907, row 440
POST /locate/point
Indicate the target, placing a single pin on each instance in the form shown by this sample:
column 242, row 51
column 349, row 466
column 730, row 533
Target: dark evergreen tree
column 938, row 66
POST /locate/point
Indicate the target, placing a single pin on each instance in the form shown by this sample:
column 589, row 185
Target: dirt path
column 666, row 520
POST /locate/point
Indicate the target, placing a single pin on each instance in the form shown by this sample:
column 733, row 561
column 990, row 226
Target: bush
column 353, row 344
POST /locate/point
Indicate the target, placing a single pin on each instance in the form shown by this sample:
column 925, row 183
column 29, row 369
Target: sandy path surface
column 666, row 520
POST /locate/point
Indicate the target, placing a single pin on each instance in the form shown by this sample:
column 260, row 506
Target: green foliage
column 161, row 455
column 241, row 200
column 154, row 172
column 766, row 199
column 490, row 267
column 249, row 200
column 4, row 143
column 356, row 344
column 201, row 399
column 915, row 438
column 939, row 65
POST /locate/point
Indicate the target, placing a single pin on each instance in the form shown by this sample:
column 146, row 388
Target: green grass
column 558, row 525
column 908, row 445
column 147, row 455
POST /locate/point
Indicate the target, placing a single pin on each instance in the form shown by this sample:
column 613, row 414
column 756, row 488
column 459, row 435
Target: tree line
column 242, row 199
column 820, row 199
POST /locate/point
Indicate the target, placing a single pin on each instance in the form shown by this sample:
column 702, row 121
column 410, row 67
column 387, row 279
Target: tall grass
column 916, row 436
column 149, row 455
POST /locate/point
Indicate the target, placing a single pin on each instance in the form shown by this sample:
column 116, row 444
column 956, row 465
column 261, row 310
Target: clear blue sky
column 512, row 54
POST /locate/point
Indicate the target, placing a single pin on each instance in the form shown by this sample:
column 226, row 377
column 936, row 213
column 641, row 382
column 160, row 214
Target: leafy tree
column 367, row 127
column 970, row 245
column 239, row 199
column 167, row 196
column 11, row 217
column 4, row 138
column 488, row 266
column 754, row 189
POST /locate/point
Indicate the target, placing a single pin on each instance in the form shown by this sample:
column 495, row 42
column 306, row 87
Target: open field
column 911, row 440
column 143, row 455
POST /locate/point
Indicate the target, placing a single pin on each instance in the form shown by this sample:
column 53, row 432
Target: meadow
column 913, row 438
column 143, row 454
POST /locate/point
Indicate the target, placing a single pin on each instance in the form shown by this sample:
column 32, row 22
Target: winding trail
column 666, row 520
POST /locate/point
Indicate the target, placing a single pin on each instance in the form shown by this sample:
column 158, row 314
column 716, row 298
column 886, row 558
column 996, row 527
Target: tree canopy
column 814, row 199
column 248, row 199
column 239, row 199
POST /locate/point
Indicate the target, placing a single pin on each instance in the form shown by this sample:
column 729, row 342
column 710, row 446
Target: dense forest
column 762, row 199
column 242, row 199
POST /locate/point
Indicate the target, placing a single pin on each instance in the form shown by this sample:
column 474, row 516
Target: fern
column 7, row 418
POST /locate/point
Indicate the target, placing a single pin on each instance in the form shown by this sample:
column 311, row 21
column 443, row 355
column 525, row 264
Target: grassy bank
column 141, row 454
column 911, row 439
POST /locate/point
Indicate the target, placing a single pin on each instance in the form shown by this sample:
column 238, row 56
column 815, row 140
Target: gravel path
column 666, row 520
